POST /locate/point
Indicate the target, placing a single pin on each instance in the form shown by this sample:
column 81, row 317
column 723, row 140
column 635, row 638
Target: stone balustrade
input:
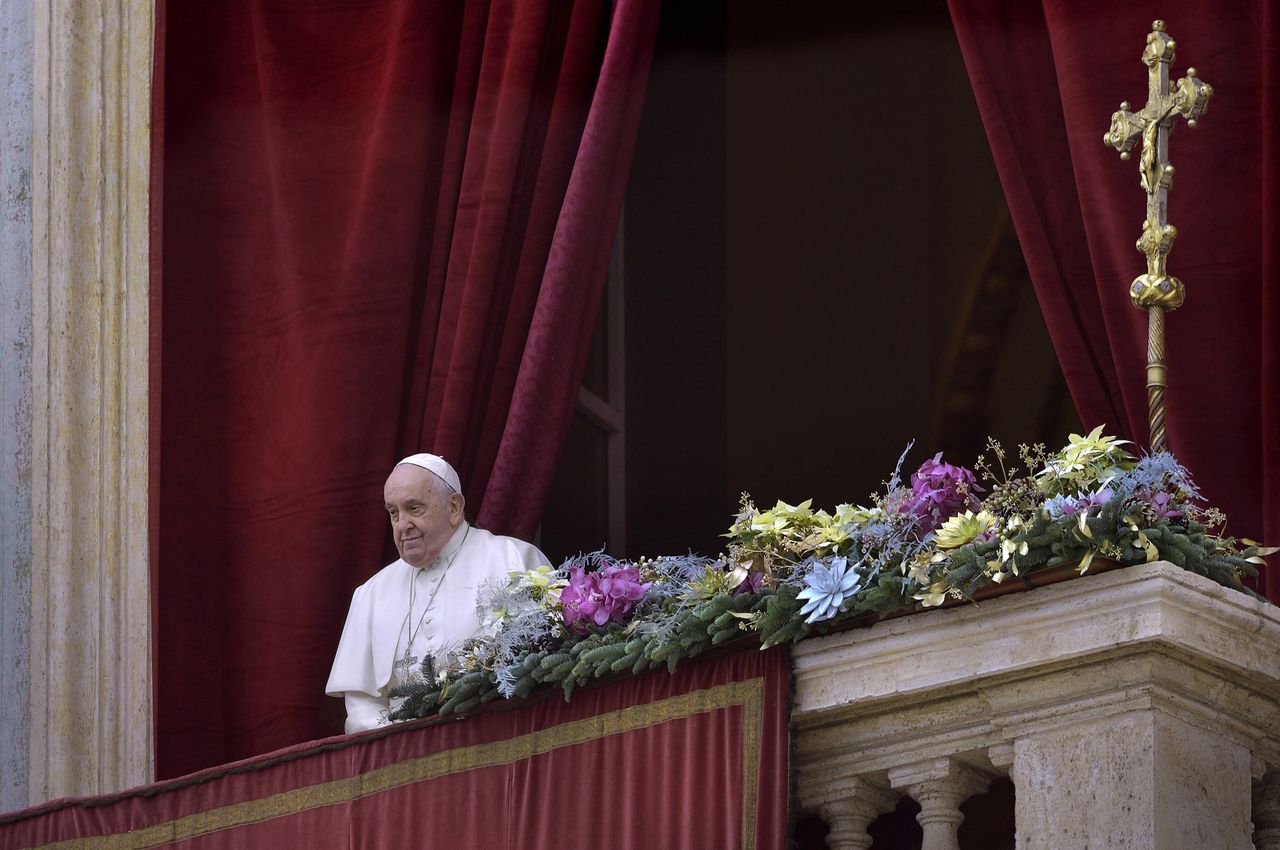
column 1138, row 708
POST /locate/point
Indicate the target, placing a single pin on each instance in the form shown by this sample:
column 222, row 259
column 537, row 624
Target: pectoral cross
column 1157, row 290
column 404, row 664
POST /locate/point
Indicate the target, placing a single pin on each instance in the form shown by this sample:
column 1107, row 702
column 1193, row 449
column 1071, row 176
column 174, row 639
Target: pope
column 424, row 603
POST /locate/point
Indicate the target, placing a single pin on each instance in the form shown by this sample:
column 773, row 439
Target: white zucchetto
column 437, row 465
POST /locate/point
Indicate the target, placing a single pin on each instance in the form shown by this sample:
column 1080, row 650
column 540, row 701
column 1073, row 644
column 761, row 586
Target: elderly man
column 425, row 602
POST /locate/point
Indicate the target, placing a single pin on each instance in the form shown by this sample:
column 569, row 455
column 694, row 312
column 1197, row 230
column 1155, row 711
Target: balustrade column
column 848, row 802
column 849, row 806
column 940, row 786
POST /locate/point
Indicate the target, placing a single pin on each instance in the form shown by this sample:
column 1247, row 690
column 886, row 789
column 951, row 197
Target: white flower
column 828, row 590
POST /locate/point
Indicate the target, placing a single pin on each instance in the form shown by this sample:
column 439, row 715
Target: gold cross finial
column 1157, row 290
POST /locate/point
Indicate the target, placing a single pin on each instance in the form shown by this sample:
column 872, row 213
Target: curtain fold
column 1047, row 77
column 385, row 227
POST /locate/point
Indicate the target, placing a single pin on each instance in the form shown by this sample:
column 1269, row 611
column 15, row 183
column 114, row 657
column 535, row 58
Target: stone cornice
column 937, row 653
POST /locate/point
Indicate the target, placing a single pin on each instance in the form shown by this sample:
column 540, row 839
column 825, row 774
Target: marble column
column 90, row 627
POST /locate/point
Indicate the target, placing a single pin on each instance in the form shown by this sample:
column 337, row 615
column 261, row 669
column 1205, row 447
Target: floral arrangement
column 791, row 570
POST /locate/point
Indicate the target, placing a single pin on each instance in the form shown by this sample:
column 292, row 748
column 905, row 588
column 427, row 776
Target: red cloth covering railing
column 694, row 760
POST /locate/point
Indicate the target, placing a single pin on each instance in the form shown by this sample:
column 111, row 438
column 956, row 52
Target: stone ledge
column 936, row 652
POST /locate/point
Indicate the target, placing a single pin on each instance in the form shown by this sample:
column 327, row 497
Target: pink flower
column 598, row 597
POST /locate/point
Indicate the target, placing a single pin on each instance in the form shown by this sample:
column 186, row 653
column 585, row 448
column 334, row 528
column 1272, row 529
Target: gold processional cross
column 1157, row 290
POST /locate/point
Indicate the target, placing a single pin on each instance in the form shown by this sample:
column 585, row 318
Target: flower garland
column 791, row 571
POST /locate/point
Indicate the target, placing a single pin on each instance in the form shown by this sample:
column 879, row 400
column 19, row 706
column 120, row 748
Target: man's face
column 422, row 517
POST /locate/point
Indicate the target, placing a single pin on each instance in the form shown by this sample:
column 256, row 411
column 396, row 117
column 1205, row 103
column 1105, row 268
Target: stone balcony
column 1139, row 708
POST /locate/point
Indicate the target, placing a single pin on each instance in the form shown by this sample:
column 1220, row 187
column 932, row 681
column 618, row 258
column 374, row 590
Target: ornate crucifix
column 1157, row 290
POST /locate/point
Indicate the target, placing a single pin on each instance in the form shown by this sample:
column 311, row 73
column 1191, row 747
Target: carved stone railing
column 1135, row 709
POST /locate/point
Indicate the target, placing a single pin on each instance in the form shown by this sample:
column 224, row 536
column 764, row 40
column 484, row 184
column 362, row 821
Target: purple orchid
column 1164, row 506
column 1071, row 505
column 598, row 597
column 750, row 584
column 940, row 491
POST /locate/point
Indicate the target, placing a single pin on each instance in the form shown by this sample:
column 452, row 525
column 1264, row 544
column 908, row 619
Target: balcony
column 1138, row 708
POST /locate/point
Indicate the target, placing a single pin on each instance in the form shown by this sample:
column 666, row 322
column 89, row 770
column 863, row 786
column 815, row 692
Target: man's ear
column 456, row 505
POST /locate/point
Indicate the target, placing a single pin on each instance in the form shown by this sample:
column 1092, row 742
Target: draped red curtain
column 699, row 759
column 384, row 229
column 1047, row 76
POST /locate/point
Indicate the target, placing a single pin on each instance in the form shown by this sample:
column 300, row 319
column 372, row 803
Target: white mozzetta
column 90, row 684
column 1131, row 709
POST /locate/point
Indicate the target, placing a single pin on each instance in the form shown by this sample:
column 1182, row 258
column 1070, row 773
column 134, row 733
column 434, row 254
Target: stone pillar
column 848, row 804
column 90, row 660
column 1136, row 780
column 1266, row 812
column 15, row 397
column 940, row 786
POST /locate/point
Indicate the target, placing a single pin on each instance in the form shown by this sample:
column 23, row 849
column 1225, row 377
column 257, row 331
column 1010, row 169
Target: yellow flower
column 1080, row 450
column 858, row 515
column 542, row 581
column 920, row 566
column 934, row 596
column 964, row 528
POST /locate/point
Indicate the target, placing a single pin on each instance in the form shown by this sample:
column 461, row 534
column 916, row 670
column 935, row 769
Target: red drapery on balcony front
column 655, row 762
column 385, row 228
column 1047, row 76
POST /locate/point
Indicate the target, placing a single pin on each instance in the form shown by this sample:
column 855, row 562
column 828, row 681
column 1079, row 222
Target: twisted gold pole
column 1155, row 377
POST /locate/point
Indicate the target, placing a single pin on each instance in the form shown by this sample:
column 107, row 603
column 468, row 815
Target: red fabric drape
column 1047, row 77
column 656, row 762
column 384, row 229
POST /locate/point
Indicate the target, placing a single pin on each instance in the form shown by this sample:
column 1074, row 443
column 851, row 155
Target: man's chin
column 416, row 556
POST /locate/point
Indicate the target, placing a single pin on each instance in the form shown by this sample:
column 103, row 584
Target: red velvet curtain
column 1047, row 76
column 385, row 227
column 653, row 762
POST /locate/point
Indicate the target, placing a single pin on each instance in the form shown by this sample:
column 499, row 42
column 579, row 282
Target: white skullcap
column 437, row 465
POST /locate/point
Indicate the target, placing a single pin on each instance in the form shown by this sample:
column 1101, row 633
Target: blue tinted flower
column 829, row 588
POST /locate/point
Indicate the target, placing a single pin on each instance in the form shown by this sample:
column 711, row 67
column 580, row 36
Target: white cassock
column 383, row 627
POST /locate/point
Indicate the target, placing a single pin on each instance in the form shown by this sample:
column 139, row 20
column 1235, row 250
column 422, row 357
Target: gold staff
column 1157, row 290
